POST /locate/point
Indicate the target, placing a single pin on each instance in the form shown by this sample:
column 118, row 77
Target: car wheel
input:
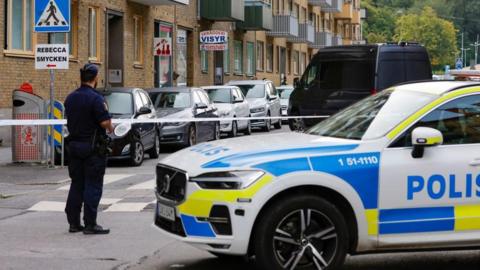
column 138, row 153
column 192, row 136
column 302, row 232
column 216, row 133
column 296, row 124
column 268, row 124
column 248, row 130
column 278, row 125
column 234, row 131
column 155, row 151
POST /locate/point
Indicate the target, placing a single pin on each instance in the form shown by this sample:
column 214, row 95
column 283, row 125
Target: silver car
column 284, row 92
column 231, row 103
column 264, row 101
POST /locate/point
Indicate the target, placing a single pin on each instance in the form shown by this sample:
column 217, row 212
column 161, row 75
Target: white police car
column 397, row 171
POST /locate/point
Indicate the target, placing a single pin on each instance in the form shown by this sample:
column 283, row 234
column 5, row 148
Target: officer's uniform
column 85, row 109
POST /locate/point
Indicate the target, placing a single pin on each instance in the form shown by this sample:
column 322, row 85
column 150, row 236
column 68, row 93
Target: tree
column 380, row 24
column 438, row 35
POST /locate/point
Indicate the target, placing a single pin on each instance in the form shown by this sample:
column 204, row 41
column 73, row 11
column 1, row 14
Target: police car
column 399, row 170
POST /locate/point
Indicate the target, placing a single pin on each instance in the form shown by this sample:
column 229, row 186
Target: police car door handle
column 475, row 163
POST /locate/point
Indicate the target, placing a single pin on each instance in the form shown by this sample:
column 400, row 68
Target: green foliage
column 436, row 34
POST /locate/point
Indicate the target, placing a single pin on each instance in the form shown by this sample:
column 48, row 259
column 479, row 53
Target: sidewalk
column 5, row 155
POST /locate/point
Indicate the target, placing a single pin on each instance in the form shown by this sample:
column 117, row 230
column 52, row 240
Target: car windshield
column 221, row 95
column 253, row 90
column 373, row 117
column 172, row 100
column 285, row 93
column 119, row 103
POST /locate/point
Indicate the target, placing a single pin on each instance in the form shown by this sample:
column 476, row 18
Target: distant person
column 88, row 120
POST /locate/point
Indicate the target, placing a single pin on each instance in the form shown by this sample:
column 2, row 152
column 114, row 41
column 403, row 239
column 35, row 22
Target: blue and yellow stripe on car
column 200, row 203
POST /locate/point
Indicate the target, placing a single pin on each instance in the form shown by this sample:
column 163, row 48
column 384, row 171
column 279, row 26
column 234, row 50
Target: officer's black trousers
column 86, row 171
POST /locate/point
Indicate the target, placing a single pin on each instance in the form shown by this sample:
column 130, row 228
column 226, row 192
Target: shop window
column 138, row 40
column 238, row 57
column 182, row 57
column 260, row 56
column 250, row 58
column 20, row 36
column 93, row 34
column 163, row 64
column 204, row 60
column 68, row 38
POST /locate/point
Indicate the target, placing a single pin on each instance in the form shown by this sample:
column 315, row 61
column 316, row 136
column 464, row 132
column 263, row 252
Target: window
column 138, row 101
column 138, row 40
column 260, row 56
column 182, row 57
column 204, row 60
column 20, row 26
column 226, row 61
column 303, row 59
column 163, row 64
column 68, row 38
column 269, row 57
column 458, row 120
column 93, row 34
column 250, row 58
column 295, row 63
column 238, row 46
column 196, row 98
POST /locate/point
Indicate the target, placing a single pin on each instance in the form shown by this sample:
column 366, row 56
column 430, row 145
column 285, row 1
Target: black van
column 339, row 76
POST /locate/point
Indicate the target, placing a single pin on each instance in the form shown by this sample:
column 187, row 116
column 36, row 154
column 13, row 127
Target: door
column 140, row 127
column 210, row 112
column 218, row 74
column 149, row 128
column 114, row 56
column 163, row 65
column 201, row 127
column 282, row 60
column 240, row 106
column 274, row 101
column 439, row 193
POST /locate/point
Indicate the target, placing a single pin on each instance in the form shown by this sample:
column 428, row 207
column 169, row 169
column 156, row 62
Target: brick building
column 266, row 38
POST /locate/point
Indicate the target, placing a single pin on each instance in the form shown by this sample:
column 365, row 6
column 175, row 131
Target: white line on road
column 126, row 207
column 148, row 185
column 108, row 179
column 47, row 206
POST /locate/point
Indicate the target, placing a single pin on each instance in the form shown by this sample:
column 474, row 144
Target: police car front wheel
column 305, row 232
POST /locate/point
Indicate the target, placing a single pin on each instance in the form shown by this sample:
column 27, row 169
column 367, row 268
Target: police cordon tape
column 50, row 122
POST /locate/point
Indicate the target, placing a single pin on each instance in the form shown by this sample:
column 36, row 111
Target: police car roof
column 434, row 87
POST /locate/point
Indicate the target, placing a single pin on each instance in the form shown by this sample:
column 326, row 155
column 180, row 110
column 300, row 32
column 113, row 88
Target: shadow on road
column 464, row 260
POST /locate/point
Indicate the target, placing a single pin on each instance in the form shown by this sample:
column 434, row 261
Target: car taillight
column 373, row 91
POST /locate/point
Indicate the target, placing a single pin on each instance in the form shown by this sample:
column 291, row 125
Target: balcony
column 337, row 7
column 346, row 12
column 284, row 26
column 337, row 40
column 258, row 16
column 222, row 10
column 322, row 39
column 161, row 2
column 306, row 34
column 321, row 3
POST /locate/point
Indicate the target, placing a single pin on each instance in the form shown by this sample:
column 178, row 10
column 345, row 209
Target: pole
column 52, row 128
column 462, row 49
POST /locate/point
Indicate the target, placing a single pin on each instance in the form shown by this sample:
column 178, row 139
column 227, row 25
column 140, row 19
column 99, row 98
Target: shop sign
column 162, row 47
column 214, row 40
column 51, row 56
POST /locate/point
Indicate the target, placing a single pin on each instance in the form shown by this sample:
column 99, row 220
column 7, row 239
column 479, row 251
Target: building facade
column 271, row 39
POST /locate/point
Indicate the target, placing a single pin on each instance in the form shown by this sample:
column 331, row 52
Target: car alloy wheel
column 297, row 124
column 192, row 136
column 305, row 237
column 154, row 152
column 234, row 131
column 248, row 131
column 217, row 132
column 138, row 154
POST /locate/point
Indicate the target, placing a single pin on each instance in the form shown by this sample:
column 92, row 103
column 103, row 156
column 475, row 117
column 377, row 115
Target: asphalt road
column 33, row 228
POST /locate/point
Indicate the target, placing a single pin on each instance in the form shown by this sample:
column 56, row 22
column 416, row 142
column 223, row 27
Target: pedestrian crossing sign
column 52, row 16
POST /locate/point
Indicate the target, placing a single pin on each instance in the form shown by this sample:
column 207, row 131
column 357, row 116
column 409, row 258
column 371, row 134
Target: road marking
column 47, row 206
column 148, row 185
column 108, row 201
column 126, row 207
column 108, row 179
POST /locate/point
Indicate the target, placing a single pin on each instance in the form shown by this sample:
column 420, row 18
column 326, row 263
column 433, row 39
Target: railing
column 284, row 26
column 322, row 39
column 306, row 34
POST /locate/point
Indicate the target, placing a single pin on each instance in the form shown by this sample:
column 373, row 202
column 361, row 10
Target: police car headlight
column 122, row 129
column 228, row 180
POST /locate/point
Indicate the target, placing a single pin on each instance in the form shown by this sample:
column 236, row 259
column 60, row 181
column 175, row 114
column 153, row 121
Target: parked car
column 231, row 103
column 263, row 99
column 133, row 103
column 185, row 103
column 339, row 76
column 284, row 92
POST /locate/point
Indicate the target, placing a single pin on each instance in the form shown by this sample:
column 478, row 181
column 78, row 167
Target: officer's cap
column 90, row 68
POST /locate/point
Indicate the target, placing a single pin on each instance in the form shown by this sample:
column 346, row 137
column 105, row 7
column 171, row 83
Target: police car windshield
column 253, row 90
column 373, row 117
column 171, row 100
column 221, row 95
column 119, row 103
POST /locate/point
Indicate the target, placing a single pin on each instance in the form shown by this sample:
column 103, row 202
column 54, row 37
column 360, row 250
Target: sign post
column 52, row 16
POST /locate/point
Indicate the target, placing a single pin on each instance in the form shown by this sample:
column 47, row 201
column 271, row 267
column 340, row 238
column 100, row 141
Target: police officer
column 88, row 120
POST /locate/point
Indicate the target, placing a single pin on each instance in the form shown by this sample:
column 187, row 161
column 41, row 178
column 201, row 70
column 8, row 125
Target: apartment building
column 271, row 39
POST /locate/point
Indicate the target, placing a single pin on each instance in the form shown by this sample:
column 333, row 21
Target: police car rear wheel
column 301, row 233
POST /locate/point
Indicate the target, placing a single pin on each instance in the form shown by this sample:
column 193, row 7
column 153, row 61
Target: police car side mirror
column 425, row 137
